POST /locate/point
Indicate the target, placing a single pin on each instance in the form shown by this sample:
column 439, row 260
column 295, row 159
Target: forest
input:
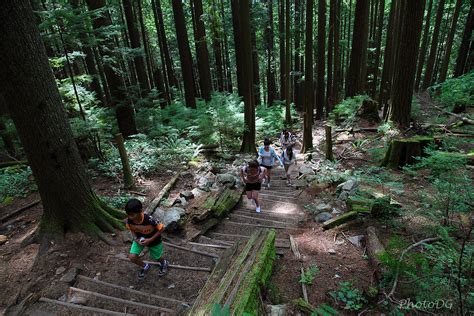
column 244, row 157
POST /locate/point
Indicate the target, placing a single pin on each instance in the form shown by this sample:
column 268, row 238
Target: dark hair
column 133, row 206
column 266, row 142
column 253, row 164
column 289, row 152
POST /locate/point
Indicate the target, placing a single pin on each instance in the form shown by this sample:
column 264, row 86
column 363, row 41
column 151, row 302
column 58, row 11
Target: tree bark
column 148, row 58
column 378, row 45
column 184, row 54
column 320, row 91
column 465, row 44
column 428, row 78
column 296, row 56
column 202, row 52
column 134, row 36
column 217, row 48
column 356, row 79
column 424, row 46
column 270, row 47
column 281, row 43
column 329, row 84
column 227, row 67
column 387, row 57
column 308, row 76
column 405, row 72
column 248, row 142
column 29, row 89
column 336, row 85
column 119, row 99
column 449, row 42
column 238, row 45
column 287, row 62
column 255, row 67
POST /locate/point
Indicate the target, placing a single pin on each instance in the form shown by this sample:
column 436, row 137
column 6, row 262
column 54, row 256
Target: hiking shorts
column 253, row 186
column 156, row 251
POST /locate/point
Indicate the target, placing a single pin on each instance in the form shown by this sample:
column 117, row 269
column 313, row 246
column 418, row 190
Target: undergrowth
column 16, row 181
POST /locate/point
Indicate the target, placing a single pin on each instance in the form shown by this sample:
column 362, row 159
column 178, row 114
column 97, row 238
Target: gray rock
column 323, row 207
column 356, row 240
column 187, row 195
column 197, row 192
column 348, row 186
column 306, row 171
column 322, row 217
column 344, row 195
column 277, row 310
column 332, row 251
column 169, row 217
column 70, row 276
column 180, row 201
column 203, row 183
column 60, row 270
column 225, row 179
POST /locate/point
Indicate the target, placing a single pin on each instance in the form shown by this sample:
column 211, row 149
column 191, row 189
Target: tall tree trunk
column 321, row 58
column 281, row 43
column 163, row 43
column 119, row 100
column 287, row 62
column 227, row 67
column 184, row 54
column 248, row 141
column 336, row 85
column 269, row 44
column 332, row 17
column 387, row 57
column 378, row 45
column 427, row 80
column 238, row 45
column 449, row 42
column 465, row 44
column 30, row 92
column 202, row 53
column 296, row 56
column 255, row 68
column 349, row 41
column 146, row 46
column 442, row 45
column 424, row 46
column 308, row 77
column 356, row 78
column 402, row 91
column 134, row 36
column 217, row 48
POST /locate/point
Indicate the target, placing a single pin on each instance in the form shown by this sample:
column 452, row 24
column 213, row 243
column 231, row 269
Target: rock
column 187, row 195
column 356, row 240
column 306, row 171
column 323, row 207
column 171, row 286
column 170, row 217
column 332, row 251
column 322, row 217
column 335, row 211
column 203, row 183
column 343, row 196
column 225, row 179
column 70, row 276
column 76, row 298
column 60, row 270
column 3, row 239
column 319, row 186
column 126, row 236
column 198, row 192
column 349, row 185
column 277, row 310
column 180, row 201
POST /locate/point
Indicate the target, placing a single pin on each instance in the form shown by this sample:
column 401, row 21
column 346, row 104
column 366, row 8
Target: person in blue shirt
column 266, row 157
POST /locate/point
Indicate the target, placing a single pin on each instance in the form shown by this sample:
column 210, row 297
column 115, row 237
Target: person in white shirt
column 289, row 159
column 266, row 157
column 286, row 139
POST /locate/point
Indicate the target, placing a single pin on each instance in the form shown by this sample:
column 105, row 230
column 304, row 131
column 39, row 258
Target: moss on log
column 340, row 219
column 221, row 202
column 239, row 276
column 403, row 151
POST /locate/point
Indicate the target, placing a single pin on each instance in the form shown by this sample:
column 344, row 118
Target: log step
column 81, row 308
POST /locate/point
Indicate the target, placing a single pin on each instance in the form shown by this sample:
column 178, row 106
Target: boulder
column 198, row 192
column 70, row 276
column 171, row 217
column 3, row 239
column 322, row 217
column 323, row 207
column 225, row 179
column 347, row 189
column 187, row 195
column 306, row 171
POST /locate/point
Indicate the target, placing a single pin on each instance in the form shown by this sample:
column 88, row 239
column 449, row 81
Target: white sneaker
column 257, row 209
column 268, row 185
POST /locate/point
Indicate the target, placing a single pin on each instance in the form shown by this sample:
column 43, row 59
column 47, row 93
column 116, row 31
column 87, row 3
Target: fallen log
column 374, row 250
column 190, row 250
column 294, row 248
column 21, row 209
column 238, row 280
column 341, row 219
column 304, row 306
column 303, row 288
column 156, row 201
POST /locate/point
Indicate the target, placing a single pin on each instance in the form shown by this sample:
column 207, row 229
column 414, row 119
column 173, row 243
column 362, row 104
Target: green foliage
column 217, row 310
column 324, row 310
column 456, row 91
column 308, row 276
column 349, row 296
column 16, row 181
column 119, row 201
column 347, row 110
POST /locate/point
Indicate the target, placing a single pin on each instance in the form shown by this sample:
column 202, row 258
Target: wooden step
column 80, row 308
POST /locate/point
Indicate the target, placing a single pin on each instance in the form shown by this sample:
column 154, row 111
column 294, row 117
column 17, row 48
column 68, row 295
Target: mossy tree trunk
column 403, row 151
column 29, row 89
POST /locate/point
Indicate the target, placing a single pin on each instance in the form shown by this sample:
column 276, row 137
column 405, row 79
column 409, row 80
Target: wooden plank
column 126, row 289
column 303, row 288
column 256, row 218
column 120, row 300
column 262, row 226
column 191, row 250
column 294, row 248
column 209, row 245
column 243, row 236
column 82, row 307
column 174, row 266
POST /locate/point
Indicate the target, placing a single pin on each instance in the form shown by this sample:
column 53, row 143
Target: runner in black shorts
column 252, row 175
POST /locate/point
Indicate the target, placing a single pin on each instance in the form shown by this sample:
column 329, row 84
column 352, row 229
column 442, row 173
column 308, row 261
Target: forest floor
column 337, row 259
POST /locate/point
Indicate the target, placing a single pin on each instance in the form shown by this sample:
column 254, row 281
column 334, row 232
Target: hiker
column 287, row 139
column 147, row 232
column 289, row 159
column 266, row 157
column 252, row 175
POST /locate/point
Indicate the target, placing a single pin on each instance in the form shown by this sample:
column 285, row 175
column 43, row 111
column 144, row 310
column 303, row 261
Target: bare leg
column 255, row 198
column 287, row 173
column 137, row 260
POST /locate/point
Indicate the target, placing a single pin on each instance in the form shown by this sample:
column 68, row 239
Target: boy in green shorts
column 147, row 233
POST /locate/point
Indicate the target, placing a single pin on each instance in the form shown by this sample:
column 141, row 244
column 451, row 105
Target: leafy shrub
column 456, row 91
column 15, row 181
column 119, row 201
column 347, row 110
column 308, row 276
column 349, row 296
